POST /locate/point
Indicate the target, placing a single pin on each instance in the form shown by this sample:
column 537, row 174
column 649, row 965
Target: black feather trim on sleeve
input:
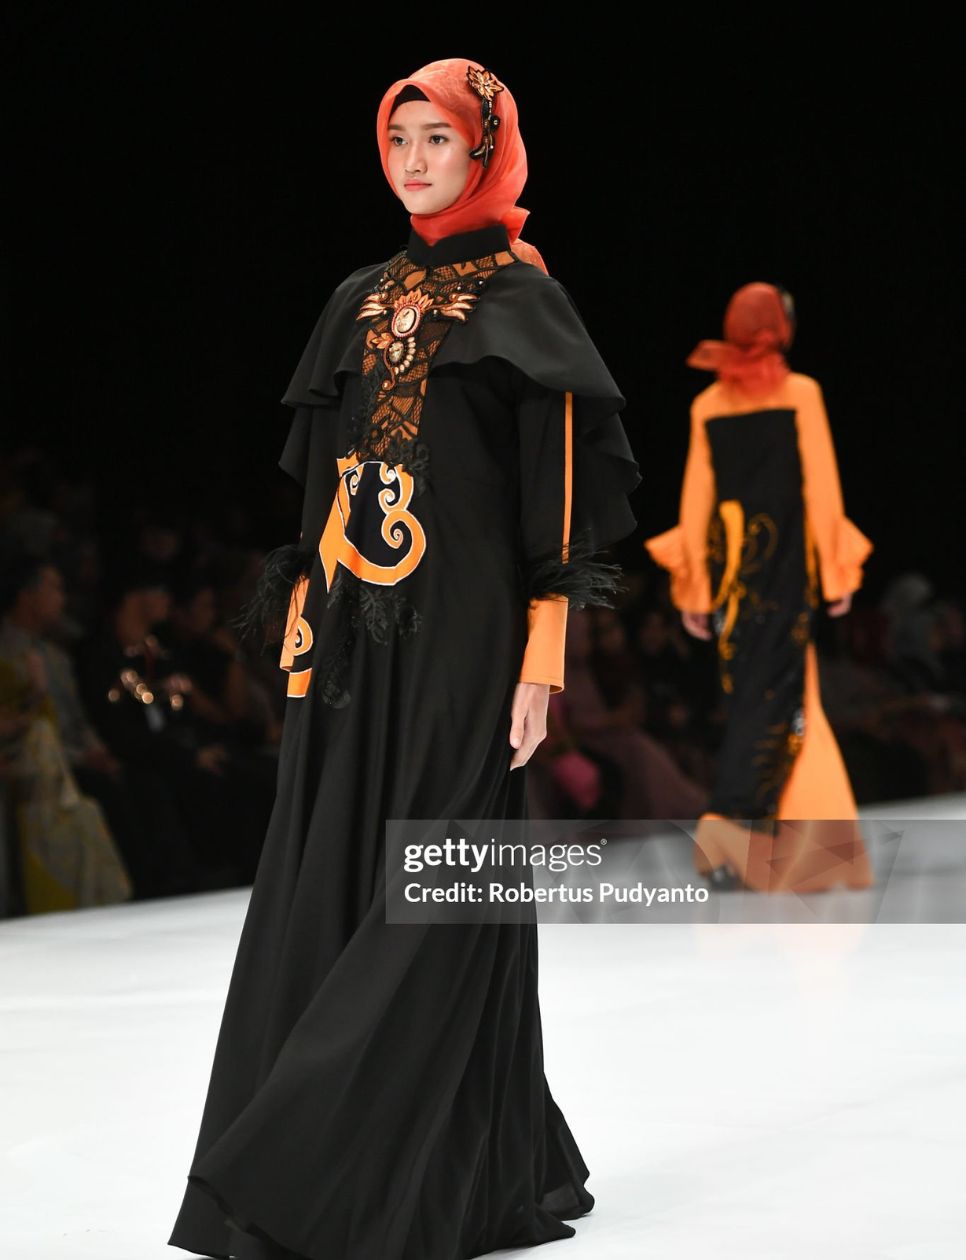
column 267, row 611
column 579, row 576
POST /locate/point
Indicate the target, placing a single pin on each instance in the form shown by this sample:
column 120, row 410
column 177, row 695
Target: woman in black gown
column 378, row 1090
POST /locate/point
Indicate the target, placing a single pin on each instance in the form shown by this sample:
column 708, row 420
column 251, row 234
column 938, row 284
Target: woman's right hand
column 528, row 720
column 697, row 624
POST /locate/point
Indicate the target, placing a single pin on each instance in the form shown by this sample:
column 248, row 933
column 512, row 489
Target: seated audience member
column 66, row 855
column 138, row 694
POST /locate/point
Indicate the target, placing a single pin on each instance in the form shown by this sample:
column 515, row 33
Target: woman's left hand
column 840, row 607
column 528, row 720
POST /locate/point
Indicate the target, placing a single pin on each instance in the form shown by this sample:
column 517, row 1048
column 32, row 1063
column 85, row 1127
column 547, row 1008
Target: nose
column 416, row 159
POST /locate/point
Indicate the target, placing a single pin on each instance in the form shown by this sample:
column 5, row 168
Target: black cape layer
column 378, row 1090
column 527, row 321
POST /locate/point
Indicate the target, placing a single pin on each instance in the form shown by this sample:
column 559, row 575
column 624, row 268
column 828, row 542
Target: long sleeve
column 292, row 642
column 683, row 549
column 546, row 487
column 309, row 456
column 574, row 451
column 562, row 526
column 842, row 548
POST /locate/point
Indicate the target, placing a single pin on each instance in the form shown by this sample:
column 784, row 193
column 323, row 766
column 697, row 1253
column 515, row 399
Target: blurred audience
column 651, row 784
column 139, row 737
column 178, row 741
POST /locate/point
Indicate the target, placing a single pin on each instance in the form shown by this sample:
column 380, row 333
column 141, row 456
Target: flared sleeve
column 576, row 466
column 683, row 550
column 841, row 546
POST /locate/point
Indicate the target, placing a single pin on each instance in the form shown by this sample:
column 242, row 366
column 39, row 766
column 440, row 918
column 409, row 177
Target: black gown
column 378, row 1090
column 759, row 555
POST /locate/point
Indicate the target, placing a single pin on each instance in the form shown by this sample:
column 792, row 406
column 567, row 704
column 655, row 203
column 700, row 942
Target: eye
column 439, row 136
column 393, row 139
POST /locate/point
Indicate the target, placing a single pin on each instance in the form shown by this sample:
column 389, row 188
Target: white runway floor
column 789, row 1091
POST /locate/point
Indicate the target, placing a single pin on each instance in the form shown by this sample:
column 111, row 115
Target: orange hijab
column 491, row 191
column 758, row 327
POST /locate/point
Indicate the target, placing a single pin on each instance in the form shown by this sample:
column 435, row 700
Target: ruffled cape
column 527, row 318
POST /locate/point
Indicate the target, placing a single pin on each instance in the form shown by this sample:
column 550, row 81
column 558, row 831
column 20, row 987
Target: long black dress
column 378, row 1090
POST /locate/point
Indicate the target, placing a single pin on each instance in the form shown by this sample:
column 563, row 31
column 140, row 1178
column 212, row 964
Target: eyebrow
column 424, row 126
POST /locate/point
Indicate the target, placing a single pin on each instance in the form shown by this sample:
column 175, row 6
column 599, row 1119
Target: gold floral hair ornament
column 486, row 86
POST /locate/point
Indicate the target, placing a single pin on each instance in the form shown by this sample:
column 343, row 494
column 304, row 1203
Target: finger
column 534, row 734
column 518, row 717
column 523, row 754
column 519, row 740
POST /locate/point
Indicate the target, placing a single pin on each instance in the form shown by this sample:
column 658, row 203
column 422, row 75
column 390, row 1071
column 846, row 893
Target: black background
column 190, row 184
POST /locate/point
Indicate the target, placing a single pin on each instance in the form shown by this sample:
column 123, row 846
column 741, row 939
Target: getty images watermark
column 481, row 859
column 499, row 871
column 644, row 871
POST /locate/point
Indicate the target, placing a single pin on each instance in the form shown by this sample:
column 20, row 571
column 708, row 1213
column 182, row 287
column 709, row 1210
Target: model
column 762, row 537
column 378, row 1090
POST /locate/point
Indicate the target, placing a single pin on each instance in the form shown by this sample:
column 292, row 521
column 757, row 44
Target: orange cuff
column 543, row 660
column 842, row 572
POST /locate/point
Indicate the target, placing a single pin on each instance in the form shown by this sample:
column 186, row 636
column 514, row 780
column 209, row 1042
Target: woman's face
column 429, row 161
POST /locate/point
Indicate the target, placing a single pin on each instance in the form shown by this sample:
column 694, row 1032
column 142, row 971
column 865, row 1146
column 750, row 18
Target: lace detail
column 411, row 310
column 377, row 610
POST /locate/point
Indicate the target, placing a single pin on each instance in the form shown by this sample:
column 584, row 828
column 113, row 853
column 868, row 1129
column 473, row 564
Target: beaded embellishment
column 486, row 86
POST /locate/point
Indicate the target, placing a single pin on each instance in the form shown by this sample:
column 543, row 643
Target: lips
column 413, row 184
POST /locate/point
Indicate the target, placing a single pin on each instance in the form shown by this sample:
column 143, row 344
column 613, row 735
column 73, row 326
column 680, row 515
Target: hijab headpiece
column 759, row 325
column 482, row 109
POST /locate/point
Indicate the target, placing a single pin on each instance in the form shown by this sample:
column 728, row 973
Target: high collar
column 460, row 247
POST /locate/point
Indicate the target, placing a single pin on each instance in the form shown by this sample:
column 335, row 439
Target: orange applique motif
column 370, row 529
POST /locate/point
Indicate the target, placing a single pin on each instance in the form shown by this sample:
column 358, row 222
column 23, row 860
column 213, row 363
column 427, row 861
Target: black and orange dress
column 378, row 1090
column 763, row 538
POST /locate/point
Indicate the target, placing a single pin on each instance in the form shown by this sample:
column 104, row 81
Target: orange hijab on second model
column 758, row 328
column 492, row 189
